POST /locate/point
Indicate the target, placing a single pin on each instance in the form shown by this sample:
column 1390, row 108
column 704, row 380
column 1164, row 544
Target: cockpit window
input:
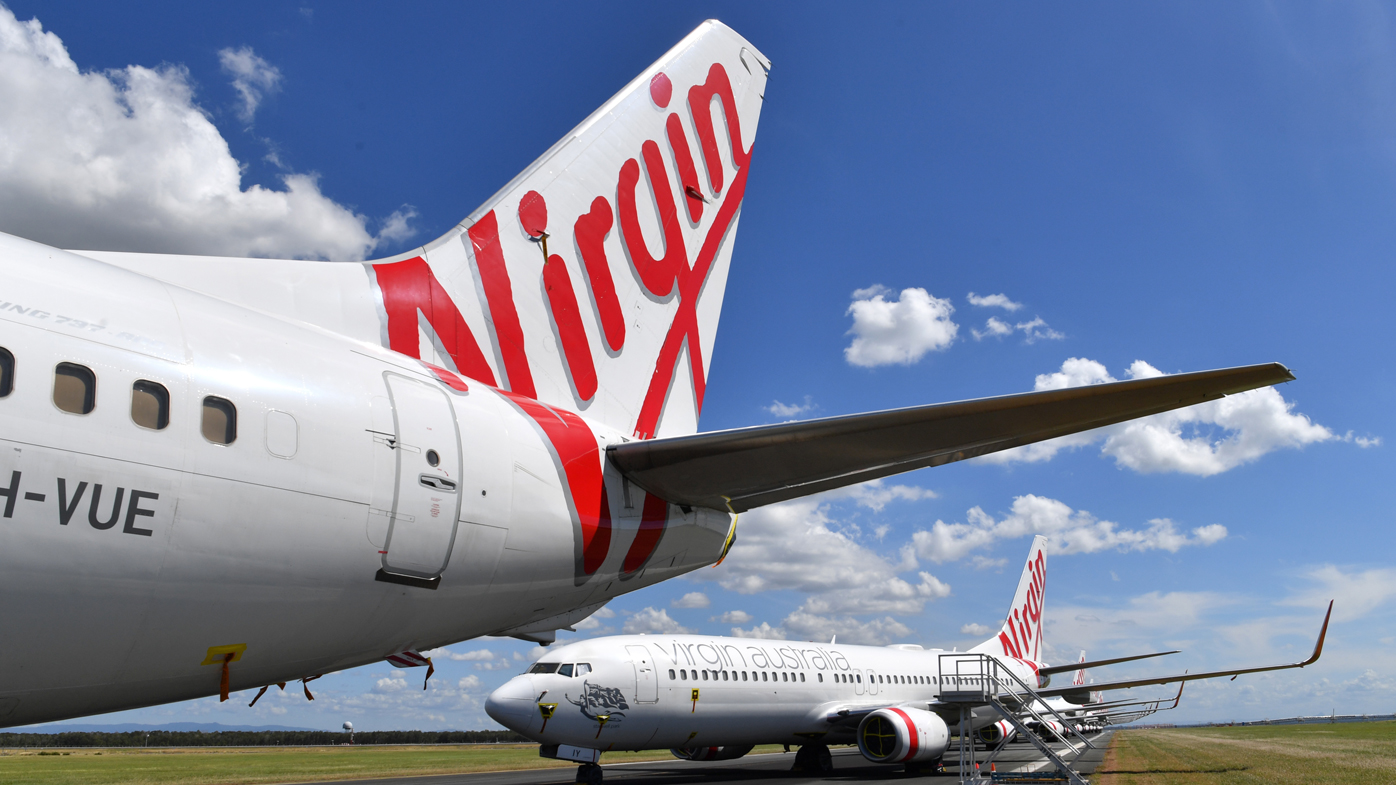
column 544, row 667
column 583, row 668
column 565, row 670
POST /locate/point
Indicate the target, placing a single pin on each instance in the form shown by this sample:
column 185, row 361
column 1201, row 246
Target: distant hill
column 131, row 727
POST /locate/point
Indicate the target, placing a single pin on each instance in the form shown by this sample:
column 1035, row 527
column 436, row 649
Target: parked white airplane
column 710, row 698
column 225, row 473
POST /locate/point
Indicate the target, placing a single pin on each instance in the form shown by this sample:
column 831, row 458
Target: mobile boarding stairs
column 970, row 680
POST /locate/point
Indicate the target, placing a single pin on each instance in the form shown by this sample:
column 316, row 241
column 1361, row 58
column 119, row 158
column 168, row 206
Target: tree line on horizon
column 268, row 738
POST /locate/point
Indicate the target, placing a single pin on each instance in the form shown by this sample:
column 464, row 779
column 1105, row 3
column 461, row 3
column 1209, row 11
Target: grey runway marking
column 849, row 766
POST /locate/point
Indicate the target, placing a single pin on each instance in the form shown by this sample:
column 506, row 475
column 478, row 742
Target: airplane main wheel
column 589, row 774
column 813, row 758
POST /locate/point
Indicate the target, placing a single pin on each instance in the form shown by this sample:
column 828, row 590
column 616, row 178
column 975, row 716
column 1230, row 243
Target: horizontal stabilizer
column 748, row 467
column 1099, row 663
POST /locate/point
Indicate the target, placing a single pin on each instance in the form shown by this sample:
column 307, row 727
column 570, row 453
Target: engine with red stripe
column 902, row 735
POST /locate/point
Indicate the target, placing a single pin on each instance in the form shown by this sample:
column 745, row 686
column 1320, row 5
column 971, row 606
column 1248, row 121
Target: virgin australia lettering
column 228, row 473
column 714, row 698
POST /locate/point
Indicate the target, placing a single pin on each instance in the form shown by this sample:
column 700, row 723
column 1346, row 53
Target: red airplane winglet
column 1322, row 633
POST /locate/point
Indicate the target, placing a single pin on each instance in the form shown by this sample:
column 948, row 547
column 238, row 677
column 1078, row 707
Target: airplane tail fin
column 1021, row 634
column 1080, row 677
column 554, row 291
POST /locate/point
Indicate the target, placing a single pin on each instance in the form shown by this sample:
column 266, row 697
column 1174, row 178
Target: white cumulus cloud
column 805, row 626
column 478, row 655
column 733, row 617
column 797, row 546
column 1206, row 439
column 252, row 76
column 1033, row 331
column 652, row 620
column 790, row 409
column 900, row 331
column 126, row 160
column 1068, row 531
column 975, row 629
column 994, row 301
column 1355, row 593
column 694, row 599
column 876, row 494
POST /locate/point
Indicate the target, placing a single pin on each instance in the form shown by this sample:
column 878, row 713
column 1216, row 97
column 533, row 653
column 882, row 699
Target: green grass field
column 1353, row 752
column 204, row 766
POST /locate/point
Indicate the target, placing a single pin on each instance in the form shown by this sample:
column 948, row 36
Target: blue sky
column 1190, row 185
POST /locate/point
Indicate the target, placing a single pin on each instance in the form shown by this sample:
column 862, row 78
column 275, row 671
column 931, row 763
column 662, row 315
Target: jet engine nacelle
column 711, row 753
column 997, row 732
column 902, row 735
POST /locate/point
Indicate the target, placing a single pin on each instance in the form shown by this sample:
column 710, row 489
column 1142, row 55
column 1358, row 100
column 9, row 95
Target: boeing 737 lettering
column 712, row 698
column 220, row 474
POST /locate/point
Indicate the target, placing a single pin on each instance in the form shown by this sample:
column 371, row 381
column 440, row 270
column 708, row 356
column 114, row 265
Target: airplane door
column 646, row 685
column 872, row 682
column 857, row 682
column 426, row 504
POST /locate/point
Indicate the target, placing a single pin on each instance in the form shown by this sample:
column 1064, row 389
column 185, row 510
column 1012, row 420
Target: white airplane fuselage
column 748, row 691
column 128, row 553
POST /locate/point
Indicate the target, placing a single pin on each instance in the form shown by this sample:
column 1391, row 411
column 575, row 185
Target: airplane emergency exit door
column 646, row 682
column 426, row 504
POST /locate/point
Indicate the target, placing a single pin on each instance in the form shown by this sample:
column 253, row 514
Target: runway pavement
column 849, row 766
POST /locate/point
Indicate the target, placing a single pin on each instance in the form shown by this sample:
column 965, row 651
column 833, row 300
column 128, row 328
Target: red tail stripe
column 683, row 160
column 562, row 301
column 409, row 286
column 591, row 230
column 499, row 295
column 653, row 519
column 580, row 456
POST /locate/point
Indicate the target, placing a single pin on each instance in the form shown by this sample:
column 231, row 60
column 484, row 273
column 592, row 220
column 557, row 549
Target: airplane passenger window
column 859, row 677
column 724, row 675
column 220, row 426
column 565, row 670
column 74, row 388
column 763, row 675
column 150, row 405
column 543, row 667
column 583, row 668
column 821, row 678
column 705, row 675
column 783, row 677
column 802, row 677
column 7, row 372
column 683, row 674
column 671, row 674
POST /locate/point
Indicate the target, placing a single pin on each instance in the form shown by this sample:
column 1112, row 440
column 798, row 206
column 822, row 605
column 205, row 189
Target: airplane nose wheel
column 589, row 774
column 813, row 758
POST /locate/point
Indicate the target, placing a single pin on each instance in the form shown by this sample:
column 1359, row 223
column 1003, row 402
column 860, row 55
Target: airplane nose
column 512, row 705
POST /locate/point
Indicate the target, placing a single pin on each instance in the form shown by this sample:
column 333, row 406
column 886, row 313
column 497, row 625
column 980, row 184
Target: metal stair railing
column 980, row 679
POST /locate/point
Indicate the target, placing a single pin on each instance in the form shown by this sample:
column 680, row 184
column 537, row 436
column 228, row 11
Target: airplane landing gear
column 589, row 774
column 813, row 758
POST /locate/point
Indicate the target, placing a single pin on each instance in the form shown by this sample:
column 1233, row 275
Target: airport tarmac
column 848, row 765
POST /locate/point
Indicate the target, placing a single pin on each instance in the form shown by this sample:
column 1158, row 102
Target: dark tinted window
column 150, row 405
column 7, row 372
column 220, row 423
column 565, row 670
column 544, row 667
column 74, row 388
